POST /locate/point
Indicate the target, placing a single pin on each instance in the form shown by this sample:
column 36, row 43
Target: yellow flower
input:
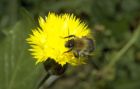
column 48, row 40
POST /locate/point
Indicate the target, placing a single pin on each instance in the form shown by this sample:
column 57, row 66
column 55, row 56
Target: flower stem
column 43, row 81
column 118, row 56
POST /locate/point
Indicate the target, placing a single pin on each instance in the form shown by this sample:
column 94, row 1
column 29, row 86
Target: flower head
column 48, row 40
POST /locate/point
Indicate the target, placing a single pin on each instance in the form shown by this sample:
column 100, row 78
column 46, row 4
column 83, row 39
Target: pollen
column 48, row 40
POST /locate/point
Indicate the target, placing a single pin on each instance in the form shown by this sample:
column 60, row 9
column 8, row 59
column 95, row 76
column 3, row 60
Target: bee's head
column 69, row 43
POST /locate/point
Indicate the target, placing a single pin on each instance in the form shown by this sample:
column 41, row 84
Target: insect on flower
column 62, row 38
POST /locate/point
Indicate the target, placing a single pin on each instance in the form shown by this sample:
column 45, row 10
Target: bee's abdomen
column 84, row 47
column 91, row 45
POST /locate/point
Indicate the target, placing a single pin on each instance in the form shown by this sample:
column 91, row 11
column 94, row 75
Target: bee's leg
column 76, row 54
column 68, row 50
column 81, row 53
column 84, row 53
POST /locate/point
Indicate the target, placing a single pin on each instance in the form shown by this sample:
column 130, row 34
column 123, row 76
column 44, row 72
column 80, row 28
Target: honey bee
column 81, row 47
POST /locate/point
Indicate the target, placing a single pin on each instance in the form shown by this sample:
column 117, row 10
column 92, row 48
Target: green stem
column 41, row 83
column 124, row 49
column 13, row 10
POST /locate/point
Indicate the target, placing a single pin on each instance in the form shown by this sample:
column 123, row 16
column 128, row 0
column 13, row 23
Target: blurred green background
column 116, row 27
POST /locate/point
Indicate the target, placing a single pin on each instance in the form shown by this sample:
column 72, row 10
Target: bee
column 80, row 47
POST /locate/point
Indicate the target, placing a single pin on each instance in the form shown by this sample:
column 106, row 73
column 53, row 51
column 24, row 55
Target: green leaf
column 17, row 68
